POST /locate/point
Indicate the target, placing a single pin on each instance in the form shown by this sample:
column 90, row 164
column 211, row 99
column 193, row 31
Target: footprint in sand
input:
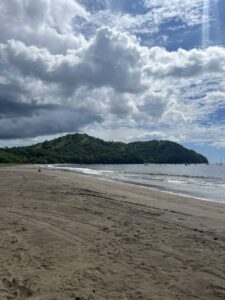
column 17, row 289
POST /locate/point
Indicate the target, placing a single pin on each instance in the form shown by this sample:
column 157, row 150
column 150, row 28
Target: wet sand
column 67, row 236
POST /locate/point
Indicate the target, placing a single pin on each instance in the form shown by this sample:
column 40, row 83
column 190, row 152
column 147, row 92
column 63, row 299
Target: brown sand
column 65, row 236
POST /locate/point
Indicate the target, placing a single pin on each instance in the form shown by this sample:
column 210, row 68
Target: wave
column 157, row 177
column 178, row 175
column 208, row 187
column 128, row 173
column 79, row 170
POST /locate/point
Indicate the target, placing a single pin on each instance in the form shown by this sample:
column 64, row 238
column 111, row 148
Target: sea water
column 200, row 181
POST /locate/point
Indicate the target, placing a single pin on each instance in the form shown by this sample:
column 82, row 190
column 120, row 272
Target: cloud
column 183, row 63
column 26, row 121
column 54, row 79
column 111, row 59
column 44, row 23
column 112, row 79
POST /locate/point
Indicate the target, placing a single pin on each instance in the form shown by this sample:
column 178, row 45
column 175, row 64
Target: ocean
column 200, row 181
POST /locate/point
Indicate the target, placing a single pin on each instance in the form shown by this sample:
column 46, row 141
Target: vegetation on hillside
column 81, row 148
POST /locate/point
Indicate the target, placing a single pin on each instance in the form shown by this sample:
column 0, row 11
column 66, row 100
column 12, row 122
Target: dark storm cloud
column 45, row 122
column 23, row 117
column 12, row 109
column 12, row 104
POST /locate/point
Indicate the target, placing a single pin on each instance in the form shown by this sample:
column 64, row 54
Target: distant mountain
column 81, row 148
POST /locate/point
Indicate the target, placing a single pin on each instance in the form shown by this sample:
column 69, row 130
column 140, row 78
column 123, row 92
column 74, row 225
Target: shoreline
column 159, row 189
column 162, row 191
column 70, row 236
column 156, row 192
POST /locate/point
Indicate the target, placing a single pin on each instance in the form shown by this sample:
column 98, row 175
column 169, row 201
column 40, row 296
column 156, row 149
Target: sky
column 122, row 70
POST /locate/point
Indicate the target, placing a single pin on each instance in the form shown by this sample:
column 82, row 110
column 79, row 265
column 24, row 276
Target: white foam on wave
column 175, row 181
column 73, row 169
column 80, row 170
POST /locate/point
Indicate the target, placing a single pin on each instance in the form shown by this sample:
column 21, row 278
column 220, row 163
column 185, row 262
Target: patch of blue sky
column 213, row 153
column 133, row 7
column 92, row 6
column 218, row 116
column 185, row 38
column 172, row 32
column 201, row 88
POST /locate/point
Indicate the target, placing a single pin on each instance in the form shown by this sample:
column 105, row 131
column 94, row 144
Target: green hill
column 81, row 148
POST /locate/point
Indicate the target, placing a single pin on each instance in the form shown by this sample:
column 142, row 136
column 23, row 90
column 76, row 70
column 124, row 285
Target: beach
column 70, row 236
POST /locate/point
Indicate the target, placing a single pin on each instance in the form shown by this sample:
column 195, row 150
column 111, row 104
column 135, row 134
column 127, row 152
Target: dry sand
column 65, row 236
